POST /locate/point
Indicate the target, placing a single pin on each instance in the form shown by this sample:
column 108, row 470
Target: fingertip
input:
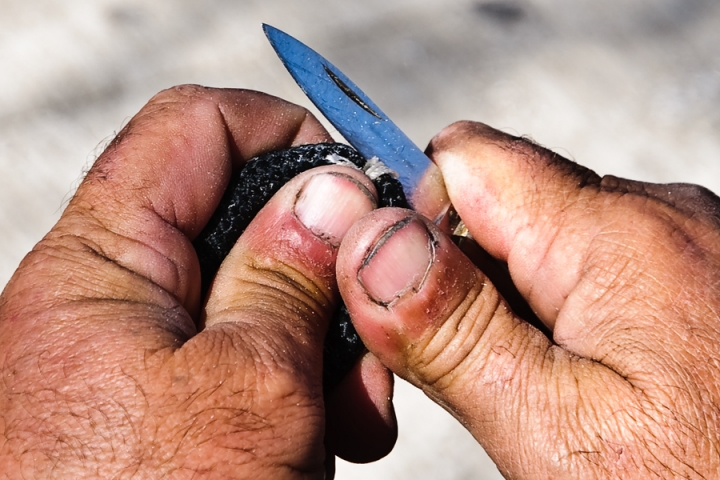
column 297, row 232
column 525, row 205
column 502, row 185
column 400, row 277
column 361, row 423
column 379, row 384
column 457, row 134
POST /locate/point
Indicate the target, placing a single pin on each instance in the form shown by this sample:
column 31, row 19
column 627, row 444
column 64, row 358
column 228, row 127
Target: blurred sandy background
column 625, row 87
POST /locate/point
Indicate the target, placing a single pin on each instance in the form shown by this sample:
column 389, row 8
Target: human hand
column 104, row 372
column 625, row 275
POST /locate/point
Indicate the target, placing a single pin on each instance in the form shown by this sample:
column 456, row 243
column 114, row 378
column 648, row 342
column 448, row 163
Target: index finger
column 601, row 261
column 153, row 190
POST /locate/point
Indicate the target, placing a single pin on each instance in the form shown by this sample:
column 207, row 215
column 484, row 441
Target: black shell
column 249, row 190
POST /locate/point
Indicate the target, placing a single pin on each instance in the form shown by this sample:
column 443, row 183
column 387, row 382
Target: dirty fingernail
column 399, row 261
column 330, row 203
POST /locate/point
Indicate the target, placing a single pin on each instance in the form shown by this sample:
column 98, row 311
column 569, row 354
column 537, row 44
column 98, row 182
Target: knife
column 366, row 127
column 373, row 134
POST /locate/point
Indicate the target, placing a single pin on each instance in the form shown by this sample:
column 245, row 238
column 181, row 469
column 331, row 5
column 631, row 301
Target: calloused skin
column 113, row 366
column 626, row 277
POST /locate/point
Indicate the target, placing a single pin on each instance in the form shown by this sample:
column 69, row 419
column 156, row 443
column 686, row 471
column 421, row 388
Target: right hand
column 624, row 275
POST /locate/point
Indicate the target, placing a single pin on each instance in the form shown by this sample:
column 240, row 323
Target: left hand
column 111, row 364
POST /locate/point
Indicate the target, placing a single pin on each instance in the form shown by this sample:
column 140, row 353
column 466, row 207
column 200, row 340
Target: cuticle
column 383, row 238
column 433, row 243
column 363, row 189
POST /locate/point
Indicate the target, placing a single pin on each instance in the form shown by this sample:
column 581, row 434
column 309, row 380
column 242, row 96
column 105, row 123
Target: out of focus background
column 630, row 88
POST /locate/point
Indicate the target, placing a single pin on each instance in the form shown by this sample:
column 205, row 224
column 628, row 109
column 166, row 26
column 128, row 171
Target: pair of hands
column 105, row 374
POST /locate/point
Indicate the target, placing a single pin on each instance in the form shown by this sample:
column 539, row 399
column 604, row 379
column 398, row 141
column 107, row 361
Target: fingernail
column 330, row 203
column 399, row 261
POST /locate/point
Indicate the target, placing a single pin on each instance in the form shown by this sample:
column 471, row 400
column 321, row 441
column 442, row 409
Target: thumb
column 600, row 262
column 424, row 309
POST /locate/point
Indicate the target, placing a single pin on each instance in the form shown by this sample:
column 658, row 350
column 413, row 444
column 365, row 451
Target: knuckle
column 183, row 102
column 179, row 105
column 694, row 192
column 272, row 294
column 648, row 225
column 690, row 200
column 695, row 200
column 291, row 288
column 167, row 114
column 529, row 157
column 455, row 352
column 181, row 93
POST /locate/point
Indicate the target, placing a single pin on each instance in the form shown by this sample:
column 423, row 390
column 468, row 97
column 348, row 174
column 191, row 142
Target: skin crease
column 105, row 374
column 626, row 277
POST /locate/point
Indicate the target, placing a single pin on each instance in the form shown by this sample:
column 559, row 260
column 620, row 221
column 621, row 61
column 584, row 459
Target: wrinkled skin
column 113, row 366
column 626, row 277
column 104, row 373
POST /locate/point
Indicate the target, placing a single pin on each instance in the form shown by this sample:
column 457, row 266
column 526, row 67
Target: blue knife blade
column 362, row 123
